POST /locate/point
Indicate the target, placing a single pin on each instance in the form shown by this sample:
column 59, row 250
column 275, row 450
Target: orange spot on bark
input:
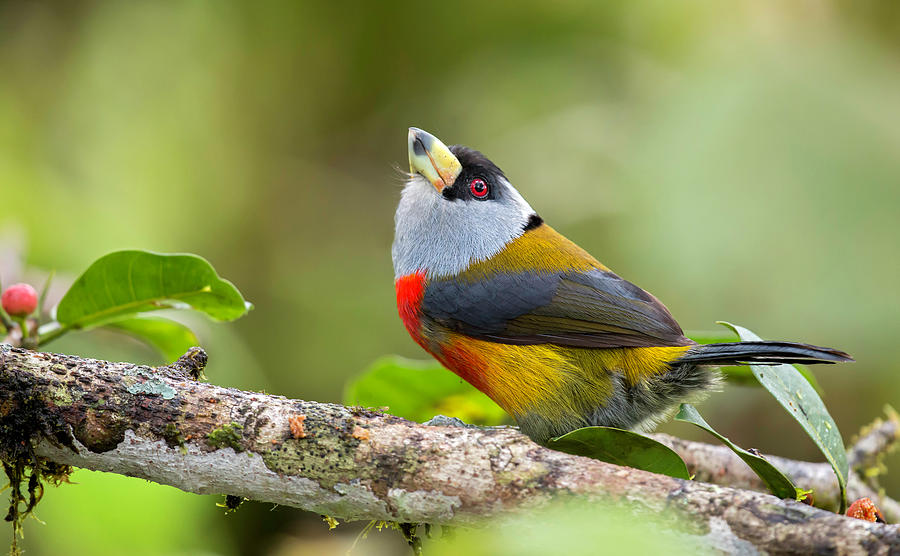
column 296, row 423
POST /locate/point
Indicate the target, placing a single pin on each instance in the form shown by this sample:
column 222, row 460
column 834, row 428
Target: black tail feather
column 762, row 353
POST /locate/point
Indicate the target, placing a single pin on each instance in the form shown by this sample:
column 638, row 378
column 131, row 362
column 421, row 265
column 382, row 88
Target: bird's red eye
column 478, row 188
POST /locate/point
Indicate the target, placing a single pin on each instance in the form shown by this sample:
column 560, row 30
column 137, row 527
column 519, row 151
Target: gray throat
column 443, row 237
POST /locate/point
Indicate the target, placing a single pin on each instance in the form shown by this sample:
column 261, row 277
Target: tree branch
column 353, row 463
column 719, row 465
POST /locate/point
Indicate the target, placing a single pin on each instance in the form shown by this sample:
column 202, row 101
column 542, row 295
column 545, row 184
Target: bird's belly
column 560, row 383
column 516, row 377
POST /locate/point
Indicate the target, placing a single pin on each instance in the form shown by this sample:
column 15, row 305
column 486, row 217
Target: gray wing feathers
column 584, row 309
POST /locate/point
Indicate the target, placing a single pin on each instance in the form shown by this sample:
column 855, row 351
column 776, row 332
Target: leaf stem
column 50, row 331
column 23, row 326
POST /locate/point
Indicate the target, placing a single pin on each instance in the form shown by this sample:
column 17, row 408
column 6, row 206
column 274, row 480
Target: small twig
column 42, row 300
column 4, row 318
column 50, row 331
column 875, row 440
column 6, row 321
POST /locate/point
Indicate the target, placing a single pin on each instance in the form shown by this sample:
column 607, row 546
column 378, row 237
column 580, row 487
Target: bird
column 532, row 320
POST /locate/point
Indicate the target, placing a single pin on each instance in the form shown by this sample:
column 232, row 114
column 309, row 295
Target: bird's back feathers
column 542, row 289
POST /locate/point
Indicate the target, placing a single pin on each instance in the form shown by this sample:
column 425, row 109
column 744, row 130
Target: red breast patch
column 410, row 290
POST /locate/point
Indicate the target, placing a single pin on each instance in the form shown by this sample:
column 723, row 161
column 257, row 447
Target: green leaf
column 709, row 336
column 622, row 447
column 123, row 283
column 806, row 373
column 171, row 339
column 777, row 481
column 740, row 376
column 419, row 390
column 801, row 401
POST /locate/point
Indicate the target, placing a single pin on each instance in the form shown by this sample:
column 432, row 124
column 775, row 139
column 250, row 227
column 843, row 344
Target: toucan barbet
column 548, row 332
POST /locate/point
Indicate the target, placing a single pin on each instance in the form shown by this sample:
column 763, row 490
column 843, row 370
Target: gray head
column 456, row 209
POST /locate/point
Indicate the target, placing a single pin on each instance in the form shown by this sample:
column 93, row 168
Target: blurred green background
column 740, row 160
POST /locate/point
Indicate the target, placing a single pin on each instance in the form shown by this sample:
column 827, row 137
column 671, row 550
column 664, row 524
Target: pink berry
column 19, row 300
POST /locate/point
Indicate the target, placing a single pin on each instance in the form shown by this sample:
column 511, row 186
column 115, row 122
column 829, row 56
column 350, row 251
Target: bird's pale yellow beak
column 431, row 158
